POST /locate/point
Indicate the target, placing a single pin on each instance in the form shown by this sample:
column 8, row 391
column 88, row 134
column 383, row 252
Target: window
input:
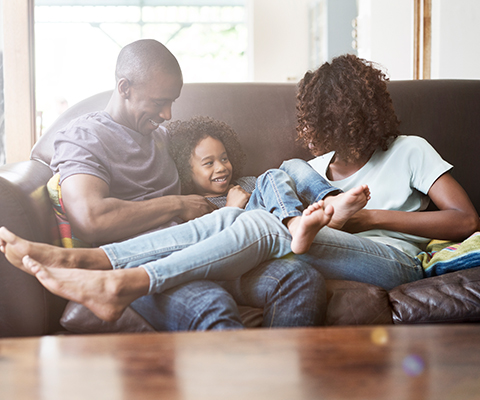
column 77, row 42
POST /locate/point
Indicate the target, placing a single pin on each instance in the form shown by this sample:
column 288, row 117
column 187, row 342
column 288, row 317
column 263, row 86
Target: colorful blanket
column 67, row 238
column 442, row 256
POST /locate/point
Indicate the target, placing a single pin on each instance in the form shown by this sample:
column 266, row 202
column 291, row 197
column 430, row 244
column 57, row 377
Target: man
column 118, row 181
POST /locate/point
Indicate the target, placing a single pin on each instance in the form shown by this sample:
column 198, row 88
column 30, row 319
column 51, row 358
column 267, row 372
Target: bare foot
column 15, row 248
column 347, row 204
column 106, row 293
column 304, row 228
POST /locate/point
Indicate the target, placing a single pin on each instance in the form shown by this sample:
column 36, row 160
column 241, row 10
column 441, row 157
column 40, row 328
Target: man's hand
column 194, row 206
column 237, row 197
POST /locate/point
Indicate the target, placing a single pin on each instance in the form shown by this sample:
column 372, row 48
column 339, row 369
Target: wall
column 280, row 36
column 385, row 31
column 455, row 39
column 278, row 40
column 386, row 36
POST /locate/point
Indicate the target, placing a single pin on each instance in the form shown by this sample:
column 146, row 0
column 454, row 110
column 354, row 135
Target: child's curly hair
column 185, row 136
column 345, row 106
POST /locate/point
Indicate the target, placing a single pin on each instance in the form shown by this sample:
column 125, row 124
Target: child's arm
column 237, row 197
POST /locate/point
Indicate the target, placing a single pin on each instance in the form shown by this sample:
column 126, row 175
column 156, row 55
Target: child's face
column 211, row 169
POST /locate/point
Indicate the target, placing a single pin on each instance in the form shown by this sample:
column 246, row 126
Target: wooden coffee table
column 395, row 362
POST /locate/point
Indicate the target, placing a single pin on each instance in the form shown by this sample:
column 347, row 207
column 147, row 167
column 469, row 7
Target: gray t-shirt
column 135, row 166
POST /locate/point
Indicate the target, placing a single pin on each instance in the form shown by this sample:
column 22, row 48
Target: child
column 209, row 158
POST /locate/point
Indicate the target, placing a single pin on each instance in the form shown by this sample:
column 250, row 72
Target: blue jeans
column 287, row 191
column 229, row 242
column 290, row 292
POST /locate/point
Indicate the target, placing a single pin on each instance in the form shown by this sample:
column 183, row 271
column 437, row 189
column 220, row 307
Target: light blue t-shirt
column 134, row 166
column 399, row 179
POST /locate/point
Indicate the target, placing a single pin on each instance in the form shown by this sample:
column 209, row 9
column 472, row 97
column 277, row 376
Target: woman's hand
column 237, row 197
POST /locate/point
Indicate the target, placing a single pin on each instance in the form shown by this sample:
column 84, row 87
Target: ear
column 124, row 87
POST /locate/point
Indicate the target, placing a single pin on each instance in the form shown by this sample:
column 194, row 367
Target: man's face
column 150, row 102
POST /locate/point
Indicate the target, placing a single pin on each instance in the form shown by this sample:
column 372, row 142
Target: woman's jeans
column 229, row 242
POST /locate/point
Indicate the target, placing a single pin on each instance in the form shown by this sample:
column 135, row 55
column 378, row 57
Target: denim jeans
column 197, row 305
column 290, row 292
column 229, row 242
column 221, row 245
column 287, row 191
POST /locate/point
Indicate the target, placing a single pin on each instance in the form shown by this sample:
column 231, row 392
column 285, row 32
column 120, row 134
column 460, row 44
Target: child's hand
column 237, row 197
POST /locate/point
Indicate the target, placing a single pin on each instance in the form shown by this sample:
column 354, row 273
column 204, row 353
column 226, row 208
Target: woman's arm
column 456, row 219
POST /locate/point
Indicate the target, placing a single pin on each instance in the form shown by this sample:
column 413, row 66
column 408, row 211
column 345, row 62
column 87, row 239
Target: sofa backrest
column 445, row 112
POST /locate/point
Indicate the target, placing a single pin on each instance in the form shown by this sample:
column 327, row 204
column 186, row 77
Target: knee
column 213, row 308
column 198, row 305
column 300, row 274
column 292, row 164
column 289, row 274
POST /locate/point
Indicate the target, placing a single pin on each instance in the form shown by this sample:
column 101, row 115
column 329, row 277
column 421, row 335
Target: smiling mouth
column 220, row 180
column 155, row 123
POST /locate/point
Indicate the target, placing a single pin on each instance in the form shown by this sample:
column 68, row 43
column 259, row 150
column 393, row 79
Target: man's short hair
column 137, row 60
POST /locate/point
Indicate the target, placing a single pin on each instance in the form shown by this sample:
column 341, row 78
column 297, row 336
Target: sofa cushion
column 453, row 297
column 79, row 319
column 357, row 303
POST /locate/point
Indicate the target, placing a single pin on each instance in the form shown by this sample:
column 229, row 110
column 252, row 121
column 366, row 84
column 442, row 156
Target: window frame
column 19, row 79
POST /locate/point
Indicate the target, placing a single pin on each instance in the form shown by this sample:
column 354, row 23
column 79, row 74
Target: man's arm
column 97, row 218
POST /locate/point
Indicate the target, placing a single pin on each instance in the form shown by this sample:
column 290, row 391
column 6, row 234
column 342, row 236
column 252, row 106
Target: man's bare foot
column 15, row 248
column 347, row 204
column 304, row 228
column 106, row 293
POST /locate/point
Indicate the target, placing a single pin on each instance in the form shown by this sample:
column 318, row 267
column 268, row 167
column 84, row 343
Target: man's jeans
column 290, row 292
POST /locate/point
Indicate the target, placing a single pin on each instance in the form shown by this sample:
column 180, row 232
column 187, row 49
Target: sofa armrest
column 453, row 297
column 26, row 308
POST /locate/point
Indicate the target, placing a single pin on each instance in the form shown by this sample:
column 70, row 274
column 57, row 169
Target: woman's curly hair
column 185, row 136
column 345, row 106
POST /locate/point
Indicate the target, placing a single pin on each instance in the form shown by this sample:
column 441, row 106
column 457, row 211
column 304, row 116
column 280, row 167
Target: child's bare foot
column 347, row 204
column 105, row 293
column 15, row 248
column 304, row 228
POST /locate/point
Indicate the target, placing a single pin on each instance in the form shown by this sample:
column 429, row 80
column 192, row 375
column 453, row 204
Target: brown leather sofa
column 445, row 112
